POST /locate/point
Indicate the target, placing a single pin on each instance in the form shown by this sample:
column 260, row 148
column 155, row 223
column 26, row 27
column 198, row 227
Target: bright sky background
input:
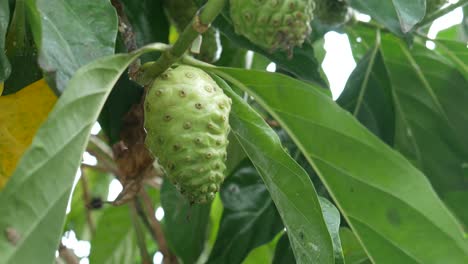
column 337, row 65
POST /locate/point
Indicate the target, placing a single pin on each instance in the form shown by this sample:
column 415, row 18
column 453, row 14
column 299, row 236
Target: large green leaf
column 114, row 241
column 303, row 64
column 400, row 16
column 456, row 52
column 185, row 226
column 431, row 115
column 35, row 198
column 352, row 249
column 70, row 34
column 249, row 219
column 284, row 253
column 289, row 185
column 4, row 20
column 389, row 203
column 368, row 97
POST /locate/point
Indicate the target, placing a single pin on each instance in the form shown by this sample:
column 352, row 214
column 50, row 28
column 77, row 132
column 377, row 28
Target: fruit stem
column 199, row 24
column 442, row 12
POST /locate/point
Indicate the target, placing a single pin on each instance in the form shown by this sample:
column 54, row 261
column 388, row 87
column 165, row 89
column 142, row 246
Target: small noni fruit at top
column 332, row 12
column 273, row 24
column 181, row 13
column 187, row 124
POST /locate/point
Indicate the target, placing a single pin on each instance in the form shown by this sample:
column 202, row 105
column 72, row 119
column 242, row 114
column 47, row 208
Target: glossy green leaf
column 389, row 203
column 34, row 200
column 303, row 64
column 400, row 16
column 185, row 226
column 289, row 185
column 114, row 241
column 263, row 254
column 21, row 52
column 352, row 249
column 249, row 219
column 4, row 20
column 456, row 52
column 70, row 34
column 331, row 215
column 431, row 114
column 361, row 39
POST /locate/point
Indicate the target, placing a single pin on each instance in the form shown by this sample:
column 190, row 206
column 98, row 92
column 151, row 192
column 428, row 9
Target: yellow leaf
column 21, row 114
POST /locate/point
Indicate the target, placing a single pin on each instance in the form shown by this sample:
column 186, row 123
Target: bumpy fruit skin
column 332, row 12
column 273, row 24
column 181, row 13
column 186, row 119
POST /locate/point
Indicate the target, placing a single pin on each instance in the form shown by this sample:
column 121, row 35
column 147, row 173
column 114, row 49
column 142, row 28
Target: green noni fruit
column 273, row 24
column 186, row 119
column 332, row 12
column 181, row 13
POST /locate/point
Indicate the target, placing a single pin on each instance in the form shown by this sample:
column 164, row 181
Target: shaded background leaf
column 352, row 249
column 114, row 241
column 185, row 226
column 249, row 219
column 4, row 21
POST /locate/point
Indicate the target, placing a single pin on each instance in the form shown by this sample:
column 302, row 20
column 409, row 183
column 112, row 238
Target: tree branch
column 87, row 200
column 199, row 24
column 67, row 255
column 145, row 257
column 442, row 12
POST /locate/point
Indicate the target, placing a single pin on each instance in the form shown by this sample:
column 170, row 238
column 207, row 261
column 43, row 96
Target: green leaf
column 185, row 226
column 289, row 185
column 352, row 249
column 33, row 202
column 361, row 39
column 114, row 241
column 399, row 16
column 303, row 64
column 283, row 252
column 149, row 23
column 331, row 215
column 70, row 34
column 263, row 254
column 456, row 52
column 389, row 203
column 332, row 220
column 21, row 52
column 4, row 20
column 368, row 97
column 431, row 114
column 249, row 219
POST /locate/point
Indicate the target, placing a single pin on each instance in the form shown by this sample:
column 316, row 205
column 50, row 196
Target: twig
column 199, row 24
column 87, row 200
column 156, row 229
column 145, row 257
column 67, row 255
column 128, row 36
column 442, row 12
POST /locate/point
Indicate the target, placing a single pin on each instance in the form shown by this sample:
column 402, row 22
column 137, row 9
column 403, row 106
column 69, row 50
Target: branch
column 128, row 36
column 145, row 257
column 199, row 24
column 156, row 229
column 67, row 255
column 440, row 13
column 87, row 200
